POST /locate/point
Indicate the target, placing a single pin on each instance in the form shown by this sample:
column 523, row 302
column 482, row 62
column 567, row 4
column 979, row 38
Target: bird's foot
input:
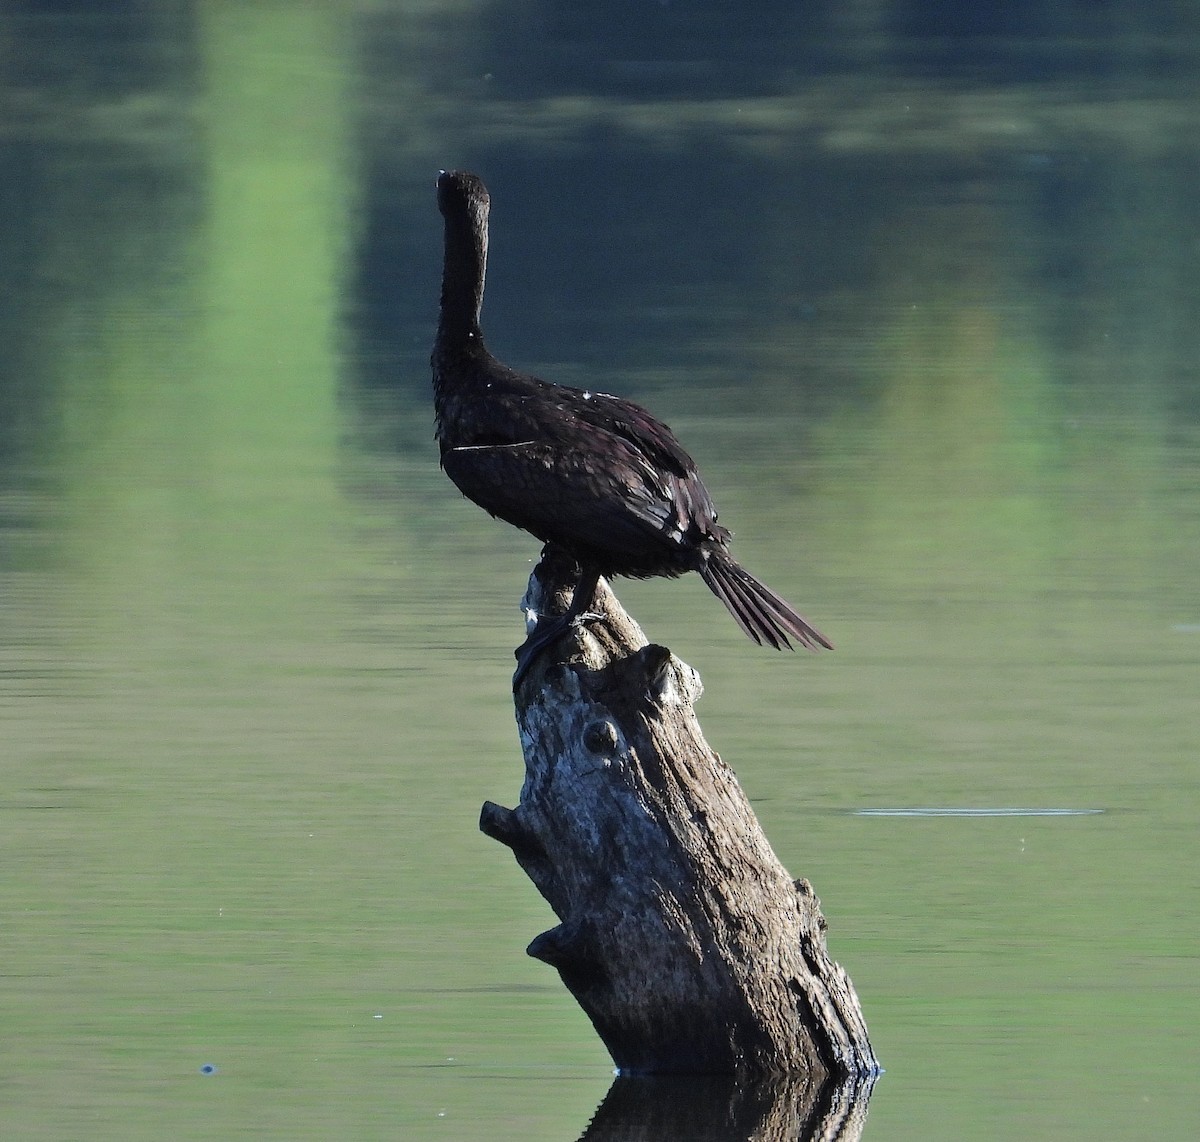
column 547, row 631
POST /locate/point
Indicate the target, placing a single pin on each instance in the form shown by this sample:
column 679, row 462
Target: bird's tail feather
column 761, row 613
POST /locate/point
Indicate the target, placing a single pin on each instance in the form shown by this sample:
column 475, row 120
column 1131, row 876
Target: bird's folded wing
column 609, row 497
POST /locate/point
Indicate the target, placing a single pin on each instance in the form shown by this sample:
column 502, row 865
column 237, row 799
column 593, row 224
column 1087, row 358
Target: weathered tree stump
column 682, row 937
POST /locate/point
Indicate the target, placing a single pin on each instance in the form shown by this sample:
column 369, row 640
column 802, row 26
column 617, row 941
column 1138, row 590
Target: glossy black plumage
column 592, row 474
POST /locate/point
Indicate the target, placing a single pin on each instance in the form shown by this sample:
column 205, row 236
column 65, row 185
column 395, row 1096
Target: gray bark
column 682, row 936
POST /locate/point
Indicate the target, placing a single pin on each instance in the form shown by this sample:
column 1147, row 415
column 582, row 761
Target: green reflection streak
column 977, row 479
column 201, row 423
column 272, row 250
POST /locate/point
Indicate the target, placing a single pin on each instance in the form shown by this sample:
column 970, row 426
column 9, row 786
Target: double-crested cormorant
column 592, row 474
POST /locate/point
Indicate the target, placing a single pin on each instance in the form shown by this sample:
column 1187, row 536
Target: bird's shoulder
column 498, row 404
column 624, row 421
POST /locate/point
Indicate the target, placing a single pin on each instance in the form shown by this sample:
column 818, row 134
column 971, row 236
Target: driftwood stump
column 682, row 937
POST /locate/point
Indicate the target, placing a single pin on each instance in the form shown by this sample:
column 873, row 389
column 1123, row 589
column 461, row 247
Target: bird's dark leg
column 550, row 629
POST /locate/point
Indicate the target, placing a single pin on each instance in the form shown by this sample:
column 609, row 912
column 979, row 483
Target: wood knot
column 601, row 738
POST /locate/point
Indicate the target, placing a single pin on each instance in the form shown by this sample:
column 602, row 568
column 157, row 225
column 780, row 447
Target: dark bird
column 594, row 475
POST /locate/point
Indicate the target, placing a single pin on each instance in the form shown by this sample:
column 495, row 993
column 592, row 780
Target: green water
column 922, row 300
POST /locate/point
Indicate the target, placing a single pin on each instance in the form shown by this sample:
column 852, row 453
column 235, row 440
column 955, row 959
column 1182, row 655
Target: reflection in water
column 724, row 1109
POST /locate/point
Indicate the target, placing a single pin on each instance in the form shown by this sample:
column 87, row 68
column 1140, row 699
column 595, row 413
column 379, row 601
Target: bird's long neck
column 463, row 273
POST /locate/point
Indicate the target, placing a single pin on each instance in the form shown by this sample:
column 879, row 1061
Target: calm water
column 922, row 297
